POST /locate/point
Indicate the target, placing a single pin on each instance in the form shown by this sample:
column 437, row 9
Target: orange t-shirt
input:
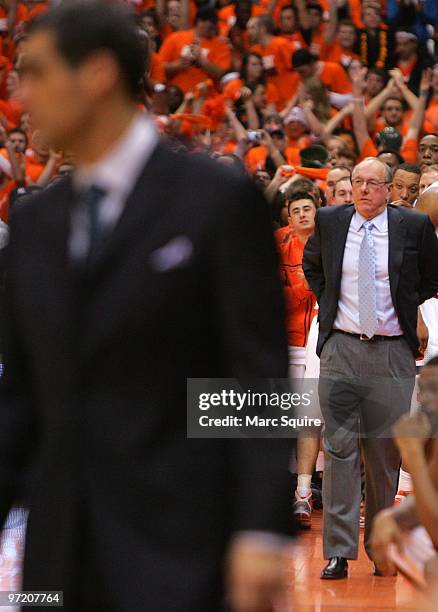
column 409, row 150
column 368, row 150
column 335, row 53
column 335, row 77
column 214, row 109
column 331, row 74
column 227, row 18
column 260, row 7
column 255, row 159
column 293, row 149
column 12, row 110
column 216, row 50
column 296, row 40
column 277, row 61
column 300, row 301
column 5, row 192
column 317, row 42
column 431, row 117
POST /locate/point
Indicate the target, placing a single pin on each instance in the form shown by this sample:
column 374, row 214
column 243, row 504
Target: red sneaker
column 303, row 510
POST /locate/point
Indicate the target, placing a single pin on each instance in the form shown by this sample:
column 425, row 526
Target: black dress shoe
column 335, row 569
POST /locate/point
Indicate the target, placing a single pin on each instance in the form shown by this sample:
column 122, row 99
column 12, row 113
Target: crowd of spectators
column 259, row 85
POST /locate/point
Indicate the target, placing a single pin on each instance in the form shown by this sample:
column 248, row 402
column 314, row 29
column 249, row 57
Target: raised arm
column 332, row 24
column 375, row 104
column 316, row 127
column 359, row 120
column 334, row 121
column 407, row 94
column 239, row 129
column 411, row 434
column 417, row 119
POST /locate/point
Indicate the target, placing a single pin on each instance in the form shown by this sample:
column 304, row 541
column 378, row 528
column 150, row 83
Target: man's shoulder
column 331, row 212
column 54, row 195
column 191, row 164
column 201, row 181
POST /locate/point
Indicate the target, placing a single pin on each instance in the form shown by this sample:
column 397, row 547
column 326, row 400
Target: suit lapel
column 343, row 219
column 396, row 238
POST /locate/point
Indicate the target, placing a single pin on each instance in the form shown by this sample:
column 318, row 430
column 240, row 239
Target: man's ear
column 389, row 196
column 101, row 74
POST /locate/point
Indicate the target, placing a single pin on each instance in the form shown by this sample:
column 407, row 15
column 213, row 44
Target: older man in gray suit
column 370, row 265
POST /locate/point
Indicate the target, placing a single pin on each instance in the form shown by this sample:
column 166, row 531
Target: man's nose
column 404, row 194
column 364, row 187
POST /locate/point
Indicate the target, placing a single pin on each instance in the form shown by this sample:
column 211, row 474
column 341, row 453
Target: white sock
column 303, row 485
column 405, row 481
column 320, row 462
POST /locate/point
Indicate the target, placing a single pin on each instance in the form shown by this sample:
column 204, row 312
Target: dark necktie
column 91, row 199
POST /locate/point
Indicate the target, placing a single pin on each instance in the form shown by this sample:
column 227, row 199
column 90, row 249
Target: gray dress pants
column 364, row 388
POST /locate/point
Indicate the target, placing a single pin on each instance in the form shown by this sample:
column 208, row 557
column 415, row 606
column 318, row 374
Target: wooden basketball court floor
column 359, row 593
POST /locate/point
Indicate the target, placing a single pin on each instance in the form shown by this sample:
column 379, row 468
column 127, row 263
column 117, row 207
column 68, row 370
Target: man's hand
column 397, row 77
column 255, row 579
column 181, row 64
column 426, row 80
column 411, row 434
column 357, row 77
column 283, row 174
column 385, row 531
column 423, row 334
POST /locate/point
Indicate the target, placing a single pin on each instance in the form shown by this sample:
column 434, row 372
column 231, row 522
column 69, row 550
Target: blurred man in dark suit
column 122, row 282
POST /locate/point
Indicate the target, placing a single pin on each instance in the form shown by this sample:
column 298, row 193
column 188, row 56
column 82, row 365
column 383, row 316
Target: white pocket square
column 177, row 253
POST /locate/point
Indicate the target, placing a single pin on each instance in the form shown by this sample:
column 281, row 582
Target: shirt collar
column 380, row 222
column 118, row 170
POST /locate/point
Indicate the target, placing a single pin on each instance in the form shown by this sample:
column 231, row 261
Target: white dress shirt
column 116, row 174
column 347, row 318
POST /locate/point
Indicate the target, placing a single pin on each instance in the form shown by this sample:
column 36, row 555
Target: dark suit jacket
column 93, row 401
column 413, row 269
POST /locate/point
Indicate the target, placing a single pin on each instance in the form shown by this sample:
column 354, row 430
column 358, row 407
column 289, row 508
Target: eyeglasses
column 372, row 184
